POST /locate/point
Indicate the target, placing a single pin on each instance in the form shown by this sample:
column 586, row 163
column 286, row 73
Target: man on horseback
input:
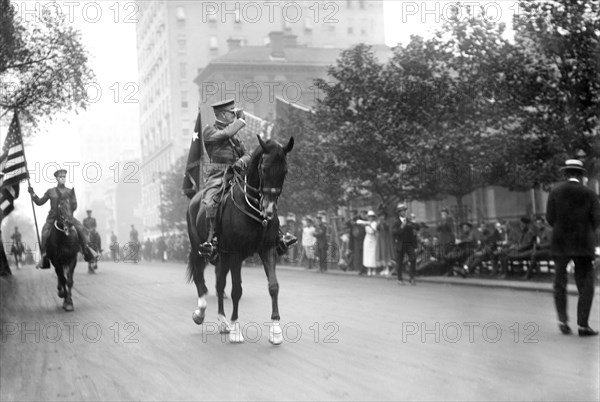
column 224, row 148
column 54, row 194
column 89, row 223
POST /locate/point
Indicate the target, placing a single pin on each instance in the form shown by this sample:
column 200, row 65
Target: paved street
column 131, row 337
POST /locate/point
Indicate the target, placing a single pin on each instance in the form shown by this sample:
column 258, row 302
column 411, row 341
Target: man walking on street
column 573, row 211
column 405, row 239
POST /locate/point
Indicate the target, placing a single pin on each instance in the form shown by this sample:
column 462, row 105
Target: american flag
column 254, row 126
column 13, row 168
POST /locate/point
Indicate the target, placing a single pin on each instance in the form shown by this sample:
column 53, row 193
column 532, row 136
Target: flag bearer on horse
column 224, row 148
column 54, row 194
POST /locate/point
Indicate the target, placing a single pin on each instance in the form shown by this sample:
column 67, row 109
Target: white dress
column 370, row 245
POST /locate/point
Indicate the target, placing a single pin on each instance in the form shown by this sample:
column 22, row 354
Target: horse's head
column 271, row 167
column 63, row 220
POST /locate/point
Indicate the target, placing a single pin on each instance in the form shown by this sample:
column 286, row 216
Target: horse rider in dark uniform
column 89, row 222
column 224, row 148
column 54, row 194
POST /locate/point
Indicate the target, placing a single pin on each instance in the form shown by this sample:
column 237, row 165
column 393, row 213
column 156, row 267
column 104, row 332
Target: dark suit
column 405, row 241
column 573, row 211
column 321, row 235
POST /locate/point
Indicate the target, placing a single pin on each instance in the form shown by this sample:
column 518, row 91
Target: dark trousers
column 584, row 279
column 322, row 254
column 476, row 259
column 412, row 259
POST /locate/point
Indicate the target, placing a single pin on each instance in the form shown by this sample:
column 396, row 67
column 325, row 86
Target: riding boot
column 209, row 247
column 44, row 262
column 89, row 254
column 284, row 242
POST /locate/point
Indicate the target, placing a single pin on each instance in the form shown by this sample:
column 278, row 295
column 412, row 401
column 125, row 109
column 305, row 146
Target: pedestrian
column 370, row 242
column 357, row 238
column 445, row 231
column 385, row 243
column 114, row 247
column 405, row 240
column 573, row 211
column 321, row 236
column 309, row 241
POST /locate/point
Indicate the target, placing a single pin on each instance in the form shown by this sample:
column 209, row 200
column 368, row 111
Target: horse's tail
column 194, row 260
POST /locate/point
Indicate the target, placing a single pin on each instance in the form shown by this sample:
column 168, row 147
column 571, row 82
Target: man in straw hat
column 573, row 211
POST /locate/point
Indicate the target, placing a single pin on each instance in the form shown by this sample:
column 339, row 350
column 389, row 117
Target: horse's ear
column 289, row 146
column 262, row 143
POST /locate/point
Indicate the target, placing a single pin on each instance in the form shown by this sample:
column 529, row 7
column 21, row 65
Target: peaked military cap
column 223, row 105
column 59, row 171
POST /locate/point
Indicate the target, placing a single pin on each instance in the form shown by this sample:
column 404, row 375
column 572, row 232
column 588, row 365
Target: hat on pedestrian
column 371, row 213
column 223, row 105
column 573, row 165
column 60, row 171
column 88, row 210
column 445, row 210
column 291, row 217
column 322, row 213
column 525, row 219
column 401, row 206
column 466, row 224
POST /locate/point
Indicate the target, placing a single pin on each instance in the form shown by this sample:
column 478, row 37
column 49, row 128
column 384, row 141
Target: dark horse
column 247, row 223
column 95, row 242
column 62, row 249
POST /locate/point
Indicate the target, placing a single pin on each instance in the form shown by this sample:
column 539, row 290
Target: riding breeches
column 211, row 193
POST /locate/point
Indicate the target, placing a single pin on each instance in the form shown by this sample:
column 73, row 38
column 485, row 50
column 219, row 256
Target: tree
column 43, row 66
column 556, row 85
column 355, row 125
column 174, row 203
column 312, row 182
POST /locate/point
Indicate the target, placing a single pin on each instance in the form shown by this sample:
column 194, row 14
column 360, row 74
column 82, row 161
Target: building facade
column 177, row 39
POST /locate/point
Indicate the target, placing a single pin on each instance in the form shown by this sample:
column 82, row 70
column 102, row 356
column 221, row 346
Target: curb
column 489, row 283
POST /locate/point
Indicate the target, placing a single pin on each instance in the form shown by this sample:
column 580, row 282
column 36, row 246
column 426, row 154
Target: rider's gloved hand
column 239, row 113
column 239, row 165
column 30, row 189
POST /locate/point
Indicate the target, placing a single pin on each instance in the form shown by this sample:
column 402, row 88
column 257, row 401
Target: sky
column 108, row 33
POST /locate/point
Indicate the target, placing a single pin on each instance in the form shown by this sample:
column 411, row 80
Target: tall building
column 177, row 39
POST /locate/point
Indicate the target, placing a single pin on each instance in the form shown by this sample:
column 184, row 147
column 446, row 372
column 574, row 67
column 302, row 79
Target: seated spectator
column 487, row 249
column 432, row 262
column 541, row 250
column 464, row 247
column 520, row 251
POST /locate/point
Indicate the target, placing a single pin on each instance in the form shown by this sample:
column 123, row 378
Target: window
column 213, row 43
column 181, row 43
column 184, row 99
column 185, row 132
column 361, row 4
column 350, row 31
column 238, row 18
column 349, row 4
column 180, row 14
column 308, row 24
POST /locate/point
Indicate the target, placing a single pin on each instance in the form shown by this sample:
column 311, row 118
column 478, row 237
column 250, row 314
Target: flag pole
column 37, row 231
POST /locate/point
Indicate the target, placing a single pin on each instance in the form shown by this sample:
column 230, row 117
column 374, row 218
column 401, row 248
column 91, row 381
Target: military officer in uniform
column 54, row 194
column 89, row 223
column 224, row 148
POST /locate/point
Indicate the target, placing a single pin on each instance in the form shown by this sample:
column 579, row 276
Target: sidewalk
column 516, row 284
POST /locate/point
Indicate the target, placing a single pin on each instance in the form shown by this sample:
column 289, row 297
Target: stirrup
column 285, row 242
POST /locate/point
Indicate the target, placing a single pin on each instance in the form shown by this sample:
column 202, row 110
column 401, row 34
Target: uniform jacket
column 89, row 223
column 222, row 146
column 54, row 194
column 573, row 211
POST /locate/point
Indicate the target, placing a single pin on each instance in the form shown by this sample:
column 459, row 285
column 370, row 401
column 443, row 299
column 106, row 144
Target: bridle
column 257, row 212
column 64, row 222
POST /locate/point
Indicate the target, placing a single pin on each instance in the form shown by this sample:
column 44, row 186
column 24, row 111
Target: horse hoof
column 224, row 326
column 68, row 306
column 198, row 315
column 235, row 336
column 275, row 335
column 62, row 294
